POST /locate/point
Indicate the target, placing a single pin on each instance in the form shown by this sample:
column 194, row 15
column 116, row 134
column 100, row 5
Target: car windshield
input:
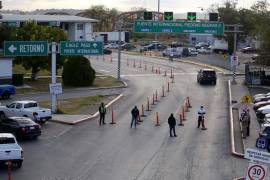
column 30, row 105
column 7, row 140
column 209, row 72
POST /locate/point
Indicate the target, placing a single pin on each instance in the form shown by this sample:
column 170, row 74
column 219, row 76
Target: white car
column 260, row 95
column 10, row 151
column 204, row 50
column 261, row 112
column 28, row 109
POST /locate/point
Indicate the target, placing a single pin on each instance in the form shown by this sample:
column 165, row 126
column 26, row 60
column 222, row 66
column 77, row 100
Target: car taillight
column 22, row 154
column 23, row 129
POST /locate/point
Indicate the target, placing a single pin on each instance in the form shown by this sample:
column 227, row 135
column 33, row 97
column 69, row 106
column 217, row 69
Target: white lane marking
column 104, row 70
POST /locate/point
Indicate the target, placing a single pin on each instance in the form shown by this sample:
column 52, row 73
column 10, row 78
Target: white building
column 77, row 28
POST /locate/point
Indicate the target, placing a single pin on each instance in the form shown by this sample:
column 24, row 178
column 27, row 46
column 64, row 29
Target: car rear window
column 213, row 73
column 5, row 140
column 30, row 105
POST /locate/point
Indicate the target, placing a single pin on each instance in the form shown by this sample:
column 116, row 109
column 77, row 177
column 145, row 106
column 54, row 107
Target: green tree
column 78, row 72
column 32, row 32
column 106, row 17
column 6, row 34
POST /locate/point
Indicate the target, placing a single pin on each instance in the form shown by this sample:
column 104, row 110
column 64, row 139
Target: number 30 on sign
column 256, row 172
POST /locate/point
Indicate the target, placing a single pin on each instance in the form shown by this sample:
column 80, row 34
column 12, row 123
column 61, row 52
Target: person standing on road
column 102, row 112
column 172, row 123
column 135, row 115
column 201, row 113
column 245, row 121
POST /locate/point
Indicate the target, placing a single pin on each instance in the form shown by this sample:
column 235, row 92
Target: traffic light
column 213, row 16
column 147, row 15
column 191, row 16
column 168, row 16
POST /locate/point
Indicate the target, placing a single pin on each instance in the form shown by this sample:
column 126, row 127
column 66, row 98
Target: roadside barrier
column 173, row 78
column 171, row 74
column 165, row 73
column 157, row 119
column 152, row 69
column 183, row 113
column 180, row 120
column 112, row 117
column 156, row 70
column 143, row 115
column 153, row 102
column 163, row 93
column 148, row 104
column 156, row 95
column 168, row 87
column 188, row 101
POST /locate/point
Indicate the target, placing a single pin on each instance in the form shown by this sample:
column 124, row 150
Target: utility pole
column 156, row 35
column 53, row 66
column 119, row 55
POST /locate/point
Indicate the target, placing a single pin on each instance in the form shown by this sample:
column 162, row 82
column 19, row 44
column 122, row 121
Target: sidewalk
column 239, row 90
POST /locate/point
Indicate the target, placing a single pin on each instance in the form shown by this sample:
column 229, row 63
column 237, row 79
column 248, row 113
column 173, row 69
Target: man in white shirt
column 201, row 113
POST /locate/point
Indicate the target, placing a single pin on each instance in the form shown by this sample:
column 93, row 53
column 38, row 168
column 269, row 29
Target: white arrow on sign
column 95, row 45
column 12, row 48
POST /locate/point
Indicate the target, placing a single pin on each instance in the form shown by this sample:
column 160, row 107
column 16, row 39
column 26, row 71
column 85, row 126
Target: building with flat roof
column 77, row 28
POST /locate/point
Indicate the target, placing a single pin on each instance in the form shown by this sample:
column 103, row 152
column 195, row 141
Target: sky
column 122, row 5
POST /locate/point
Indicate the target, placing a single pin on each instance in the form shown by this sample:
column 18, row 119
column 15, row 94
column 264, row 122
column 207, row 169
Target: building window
column 79, row 26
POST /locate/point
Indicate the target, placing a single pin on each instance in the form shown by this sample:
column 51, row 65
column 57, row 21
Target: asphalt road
column 116, row 152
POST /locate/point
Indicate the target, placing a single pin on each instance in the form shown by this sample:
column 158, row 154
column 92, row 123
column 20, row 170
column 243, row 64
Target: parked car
column 260, row 99
column 260, row 104
column 207, row 76
column 193, row 52
column 205, row 50
column 248, row 50
column 21, row 127
column 260, row 95
column 107, row 51
column 153, row 46
column 176, row 44
column 10, row 150
column 127, row 46
column 185, row 52
column 26, row 109
column 6, row 91
column 201, row 44
column 172, row 52
column 261, row 112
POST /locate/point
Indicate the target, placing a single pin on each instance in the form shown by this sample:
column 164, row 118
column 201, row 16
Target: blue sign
column 261, row 143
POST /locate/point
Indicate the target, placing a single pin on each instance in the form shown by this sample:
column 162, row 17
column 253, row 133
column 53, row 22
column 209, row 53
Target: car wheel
column 19, row 164
column 5, row 95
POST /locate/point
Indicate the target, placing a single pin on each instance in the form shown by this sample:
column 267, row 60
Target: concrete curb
column 90, row 117
column 240, row 155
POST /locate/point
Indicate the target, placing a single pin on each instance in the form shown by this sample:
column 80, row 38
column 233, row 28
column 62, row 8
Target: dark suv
column 207, row 76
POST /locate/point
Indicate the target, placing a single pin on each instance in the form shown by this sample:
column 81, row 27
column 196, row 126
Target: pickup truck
column 10, row 151
column 28, row 109
column 6, row 91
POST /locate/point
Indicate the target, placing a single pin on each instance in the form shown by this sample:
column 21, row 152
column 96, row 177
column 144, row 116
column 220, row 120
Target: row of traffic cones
column 185, row 108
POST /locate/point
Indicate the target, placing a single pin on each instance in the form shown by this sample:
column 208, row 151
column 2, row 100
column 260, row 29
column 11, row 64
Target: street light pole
column 156, row 35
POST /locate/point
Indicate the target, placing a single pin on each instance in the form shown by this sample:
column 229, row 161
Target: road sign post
column 25, row 48
column 53, row 95
column 256, row 172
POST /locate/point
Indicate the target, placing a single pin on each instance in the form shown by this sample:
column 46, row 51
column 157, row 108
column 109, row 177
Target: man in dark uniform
column 172, row 123
column 135, row 115
column 102, row 112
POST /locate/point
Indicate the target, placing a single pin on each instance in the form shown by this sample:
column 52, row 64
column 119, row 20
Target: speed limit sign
column 256, row 172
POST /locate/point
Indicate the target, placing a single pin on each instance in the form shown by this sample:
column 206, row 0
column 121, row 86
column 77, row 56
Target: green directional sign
column 215, row 28
column 191, row 16
column 168, row 16
column 25, row 48
column 74, row 48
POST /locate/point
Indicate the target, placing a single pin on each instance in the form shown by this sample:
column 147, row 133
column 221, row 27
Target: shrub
column 77, row 71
